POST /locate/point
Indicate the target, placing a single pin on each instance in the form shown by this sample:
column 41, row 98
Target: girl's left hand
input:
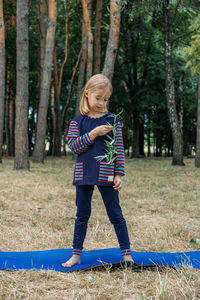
column 118, row 182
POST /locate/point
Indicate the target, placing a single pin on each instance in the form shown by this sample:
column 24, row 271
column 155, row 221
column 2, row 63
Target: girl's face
column 97, row 100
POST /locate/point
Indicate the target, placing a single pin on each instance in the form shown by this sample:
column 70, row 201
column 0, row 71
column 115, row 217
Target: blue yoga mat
column 52, row 259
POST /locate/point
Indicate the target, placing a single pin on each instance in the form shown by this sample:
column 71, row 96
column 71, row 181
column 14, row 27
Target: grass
column 160, row 204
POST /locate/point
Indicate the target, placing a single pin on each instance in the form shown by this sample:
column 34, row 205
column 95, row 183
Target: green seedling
column 110, row 156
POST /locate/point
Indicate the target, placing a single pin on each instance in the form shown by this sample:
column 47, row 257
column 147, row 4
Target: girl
column 86, row 138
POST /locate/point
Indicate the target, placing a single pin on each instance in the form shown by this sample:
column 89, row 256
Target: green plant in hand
column 110, row 156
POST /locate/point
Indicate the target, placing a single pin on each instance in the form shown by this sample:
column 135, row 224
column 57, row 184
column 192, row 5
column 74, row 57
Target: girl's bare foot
column 128, row 258
column 74, row 260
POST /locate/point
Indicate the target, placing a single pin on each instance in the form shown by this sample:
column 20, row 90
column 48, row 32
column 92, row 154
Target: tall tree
column 10, row 29
column 81, row 76
column 57, row 86
column 42, row 8
column 113, row 40
column 97, row 37
column 2, row 75
column 169, row 18
column 22, row 92
column 39, row 149
column 192, row 51
column 87, row 19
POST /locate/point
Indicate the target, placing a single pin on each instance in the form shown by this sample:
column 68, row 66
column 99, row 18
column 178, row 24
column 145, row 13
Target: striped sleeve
column 120, row 160
column 77, row 143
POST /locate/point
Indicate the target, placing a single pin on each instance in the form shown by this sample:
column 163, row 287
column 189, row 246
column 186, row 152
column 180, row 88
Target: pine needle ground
column 161, row 207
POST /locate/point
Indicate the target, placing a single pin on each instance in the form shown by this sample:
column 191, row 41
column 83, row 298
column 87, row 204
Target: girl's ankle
column 76, row 252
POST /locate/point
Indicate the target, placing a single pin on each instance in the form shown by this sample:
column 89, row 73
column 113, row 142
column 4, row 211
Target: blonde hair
column 96, row 82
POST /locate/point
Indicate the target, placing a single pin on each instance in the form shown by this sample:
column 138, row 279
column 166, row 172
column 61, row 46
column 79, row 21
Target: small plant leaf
column 194, row 241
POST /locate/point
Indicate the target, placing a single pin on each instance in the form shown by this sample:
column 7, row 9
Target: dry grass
column 161, row 207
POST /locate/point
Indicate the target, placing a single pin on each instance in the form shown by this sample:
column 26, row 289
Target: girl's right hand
column 103, row 129
column 99, row 130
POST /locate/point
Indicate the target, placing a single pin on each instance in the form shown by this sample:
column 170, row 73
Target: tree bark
column 81, row 75
column 42, row 8
column 10, row 25
column 97, row 37
column 58, row 83
column 39, row 149
column 197, row 156
column 141, row 139
column 112, row 45
column 2, row 75
column 170, row 93
column 22, row 92
column 86, row 6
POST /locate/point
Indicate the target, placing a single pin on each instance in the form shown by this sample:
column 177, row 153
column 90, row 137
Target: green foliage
column 193, row 50
column 110, row 144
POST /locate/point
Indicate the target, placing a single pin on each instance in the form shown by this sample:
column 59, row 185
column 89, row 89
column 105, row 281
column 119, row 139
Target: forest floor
column 160, row 204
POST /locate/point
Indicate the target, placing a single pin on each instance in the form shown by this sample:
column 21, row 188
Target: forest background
column 50, row 49
column 150, row 52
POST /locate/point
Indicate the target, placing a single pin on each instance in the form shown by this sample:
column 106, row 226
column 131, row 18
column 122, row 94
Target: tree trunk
column 42, row 8
column 11, row 125
column 81, row 75
column 86, row 6
column 170, row 93
column 135, row 140
column 149, row 134
column 141, row 139
column 97, row 43
column 112, row 45
column 10, row 87
column 197, row 157
column 22, row 92
column 2, row 76
column 39, row 149
column 58, row 83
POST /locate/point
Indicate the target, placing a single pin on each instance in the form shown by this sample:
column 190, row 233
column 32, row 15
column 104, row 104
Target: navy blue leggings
column 111, row 202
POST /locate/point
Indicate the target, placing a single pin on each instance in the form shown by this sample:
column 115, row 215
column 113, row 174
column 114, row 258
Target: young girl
column 86, row 138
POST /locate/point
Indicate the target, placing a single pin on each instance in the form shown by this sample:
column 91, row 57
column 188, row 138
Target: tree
column 2, row 75
column 22, row 92
column 192, row 51
column 113, row 40
column 39, row 149
column 10, row 29
column 97, row 37
column 169, row 18
column 87, row 19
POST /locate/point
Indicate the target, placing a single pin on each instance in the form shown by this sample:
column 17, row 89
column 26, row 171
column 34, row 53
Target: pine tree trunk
column 2, row 75
column 97, row 44
column 112, row 45
column 10, row 89
column 197, row 157
column 87, row 14
column 58, row 83
column 57, row 129
column 81, row 75
column 22, row 92
column 39, row 149
column 42, row 11
column 170, row 94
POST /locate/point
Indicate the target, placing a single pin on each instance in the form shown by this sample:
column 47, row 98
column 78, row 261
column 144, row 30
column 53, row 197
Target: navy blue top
column 88, row 171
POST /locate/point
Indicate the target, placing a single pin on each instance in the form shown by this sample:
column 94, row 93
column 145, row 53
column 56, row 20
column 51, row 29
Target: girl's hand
column 118, row 182
column 103, row 129
column 99, row 130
